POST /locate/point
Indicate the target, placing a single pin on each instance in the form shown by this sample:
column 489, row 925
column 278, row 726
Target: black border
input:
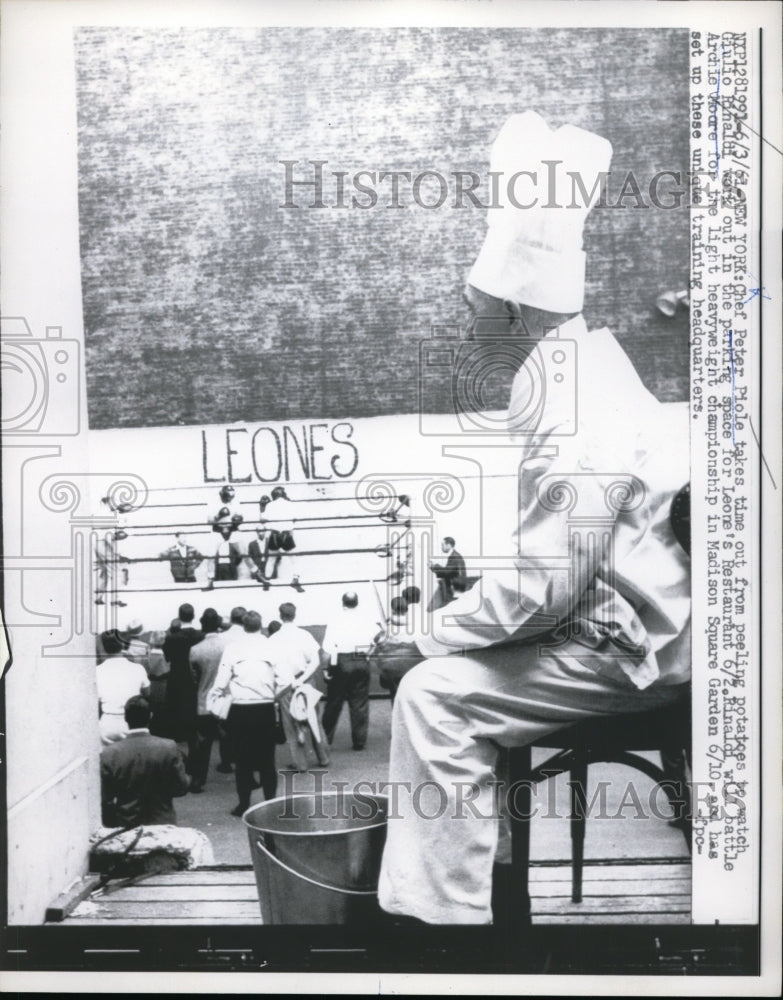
column 607, row 950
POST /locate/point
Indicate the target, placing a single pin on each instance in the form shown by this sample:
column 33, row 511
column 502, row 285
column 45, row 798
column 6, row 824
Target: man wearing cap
column 134, row 647
column 591, row 613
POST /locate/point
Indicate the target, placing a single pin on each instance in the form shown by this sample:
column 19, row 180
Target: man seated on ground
column 574, row 622
column 141, row 774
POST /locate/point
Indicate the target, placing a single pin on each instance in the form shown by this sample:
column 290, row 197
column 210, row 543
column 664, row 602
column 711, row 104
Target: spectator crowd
column 249, row 688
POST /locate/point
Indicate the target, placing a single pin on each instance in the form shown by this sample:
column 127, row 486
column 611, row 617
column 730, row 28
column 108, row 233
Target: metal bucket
column 317, row 857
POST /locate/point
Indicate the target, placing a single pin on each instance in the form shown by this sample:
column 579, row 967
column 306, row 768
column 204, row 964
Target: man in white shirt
column 346, row 643
column 118, row 679
column 278, row 513
column 297, row 658
column 247, row 673
column 591, row 616
column 224, row 565
column 234, row 631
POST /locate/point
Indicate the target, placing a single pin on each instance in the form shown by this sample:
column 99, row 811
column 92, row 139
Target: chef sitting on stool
column 566, row 629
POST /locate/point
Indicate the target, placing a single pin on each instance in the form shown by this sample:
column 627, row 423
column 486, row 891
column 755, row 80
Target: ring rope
column 309, row 552
column 232, row 585
column 208, row 531
column 270, row 520
column 398, row 477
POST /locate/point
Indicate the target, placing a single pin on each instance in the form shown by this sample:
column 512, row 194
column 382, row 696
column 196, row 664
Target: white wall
column 52, row 746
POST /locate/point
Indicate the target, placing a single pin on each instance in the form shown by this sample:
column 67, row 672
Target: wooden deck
column 654, row 892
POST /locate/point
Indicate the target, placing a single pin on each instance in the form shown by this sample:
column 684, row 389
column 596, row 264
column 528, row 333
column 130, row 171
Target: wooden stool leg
column 519, row 783
column 578, row 786
column 675, row 766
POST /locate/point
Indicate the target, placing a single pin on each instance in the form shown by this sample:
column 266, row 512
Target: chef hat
column 534, row 255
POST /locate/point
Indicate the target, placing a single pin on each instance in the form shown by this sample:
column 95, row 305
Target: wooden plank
column 682, row 875
column 544, row 890
column 205, row 876
column 620, row 887
column 70, row 899
column 600, row 872
column 172, row 893
column 132, row 911
column 538, row 871
column 635, row 893
column 610, row 918
column 614, row 904
column 171, row 922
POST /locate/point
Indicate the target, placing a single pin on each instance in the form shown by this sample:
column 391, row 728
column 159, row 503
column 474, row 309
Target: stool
column 598, row 739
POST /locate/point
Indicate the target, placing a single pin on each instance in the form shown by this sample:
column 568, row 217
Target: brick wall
column 206, row 302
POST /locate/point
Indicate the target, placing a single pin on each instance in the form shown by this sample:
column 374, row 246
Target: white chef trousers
column 451, row 715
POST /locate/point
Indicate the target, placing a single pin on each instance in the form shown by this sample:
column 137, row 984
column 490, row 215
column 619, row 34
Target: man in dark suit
column 140, row 774
column 180, row 711
column 256, row 550
column 447, row 575
column 183, row 560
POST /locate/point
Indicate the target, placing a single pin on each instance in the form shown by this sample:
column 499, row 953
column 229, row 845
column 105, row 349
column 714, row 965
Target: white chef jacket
column 616, row 475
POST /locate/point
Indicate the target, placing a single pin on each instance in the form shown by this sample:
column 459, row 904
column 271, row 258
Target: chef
column 589, row 614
